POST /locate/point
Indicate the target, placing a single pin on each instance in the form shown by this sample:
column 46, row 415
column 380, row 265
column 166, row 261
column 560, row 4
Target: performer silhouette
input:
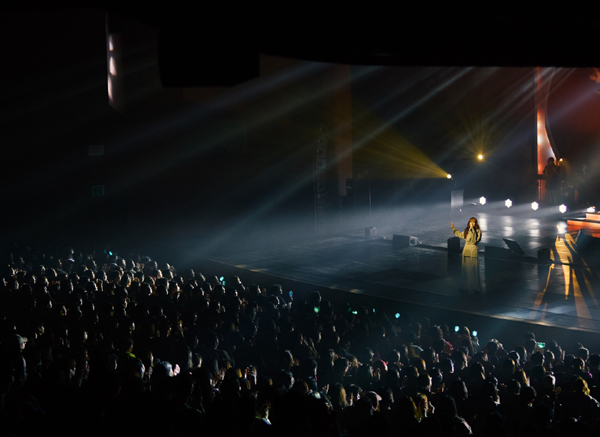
column 470, row 266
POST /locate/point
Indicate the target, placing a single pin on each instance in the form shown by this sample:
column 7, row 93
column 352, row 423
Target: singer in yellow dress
column 470, row 266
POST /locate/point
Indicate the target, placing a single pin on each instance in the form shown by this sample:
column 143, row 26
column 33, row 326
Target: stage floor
column 562, row 293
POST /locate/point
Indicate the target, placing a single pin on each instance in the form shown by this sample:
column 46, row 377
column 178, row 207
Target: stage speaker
column 586, row 242
column 401, row 241
column 454, row 245
column 370, row 233
column 543, row 256
column 514, row 247
column 495, row 252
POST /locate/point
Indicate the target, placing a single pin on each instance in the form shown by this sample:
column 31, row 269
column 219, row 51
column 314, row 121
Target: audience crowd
column 99, row 344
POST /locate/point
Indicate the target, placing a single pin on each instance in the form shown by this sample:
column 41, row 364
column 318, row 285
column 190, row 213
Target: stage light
column 508, row 203
column 112, row 66
column 591, row 209
column 480, row 157
column 535, row 206
column 109, row 88
column 562, row 208
column 456, row 328
column 482, row 200
column 449, row 176
column 397, row 315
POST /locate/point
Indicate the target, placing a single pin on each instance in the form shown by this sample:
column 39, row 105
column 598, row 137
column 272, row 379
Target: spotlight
column 112, row 66
column 482, row 200
column 480, row 157
column 449, row 176
column 534, row 206
column 397, row 315
column 562, row 208
column 591, row 209
column 508, row 203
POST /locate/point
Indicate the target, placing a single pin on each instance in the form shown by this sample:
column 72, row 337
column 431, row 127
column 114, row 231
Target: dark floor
column 560, row 294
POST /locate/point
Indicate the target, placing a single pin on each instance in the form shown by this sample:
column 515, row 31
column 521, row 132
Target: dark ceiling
column 428, row 33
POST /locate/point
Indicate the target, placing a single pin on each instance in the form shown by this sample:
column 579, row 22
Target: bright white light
column 480, row 157
column 591, row 209
column 111, row 46
column 561, row 228
column 482, row 200
column 508, row 203
column 110, row 89
column 449, row 176
column 483, row 223
column 112, row 66
column 562, row 208
column 534, row 206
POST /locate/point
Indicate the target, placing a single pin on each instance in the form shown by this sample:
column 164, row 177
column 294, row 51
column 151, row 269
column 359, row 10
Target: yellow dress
column 470, row 266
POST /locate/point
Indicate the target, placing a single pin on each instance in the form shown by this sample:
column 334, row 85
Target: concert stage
column 549, row 287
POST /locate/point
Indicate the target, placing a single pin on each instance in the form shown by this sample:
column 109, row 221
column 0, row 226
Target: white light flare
column 112, row 66
column 110, row 89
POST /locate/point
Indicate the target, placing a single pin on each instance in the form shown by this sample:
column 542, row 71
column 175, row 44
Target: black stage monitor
column 514, row 247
